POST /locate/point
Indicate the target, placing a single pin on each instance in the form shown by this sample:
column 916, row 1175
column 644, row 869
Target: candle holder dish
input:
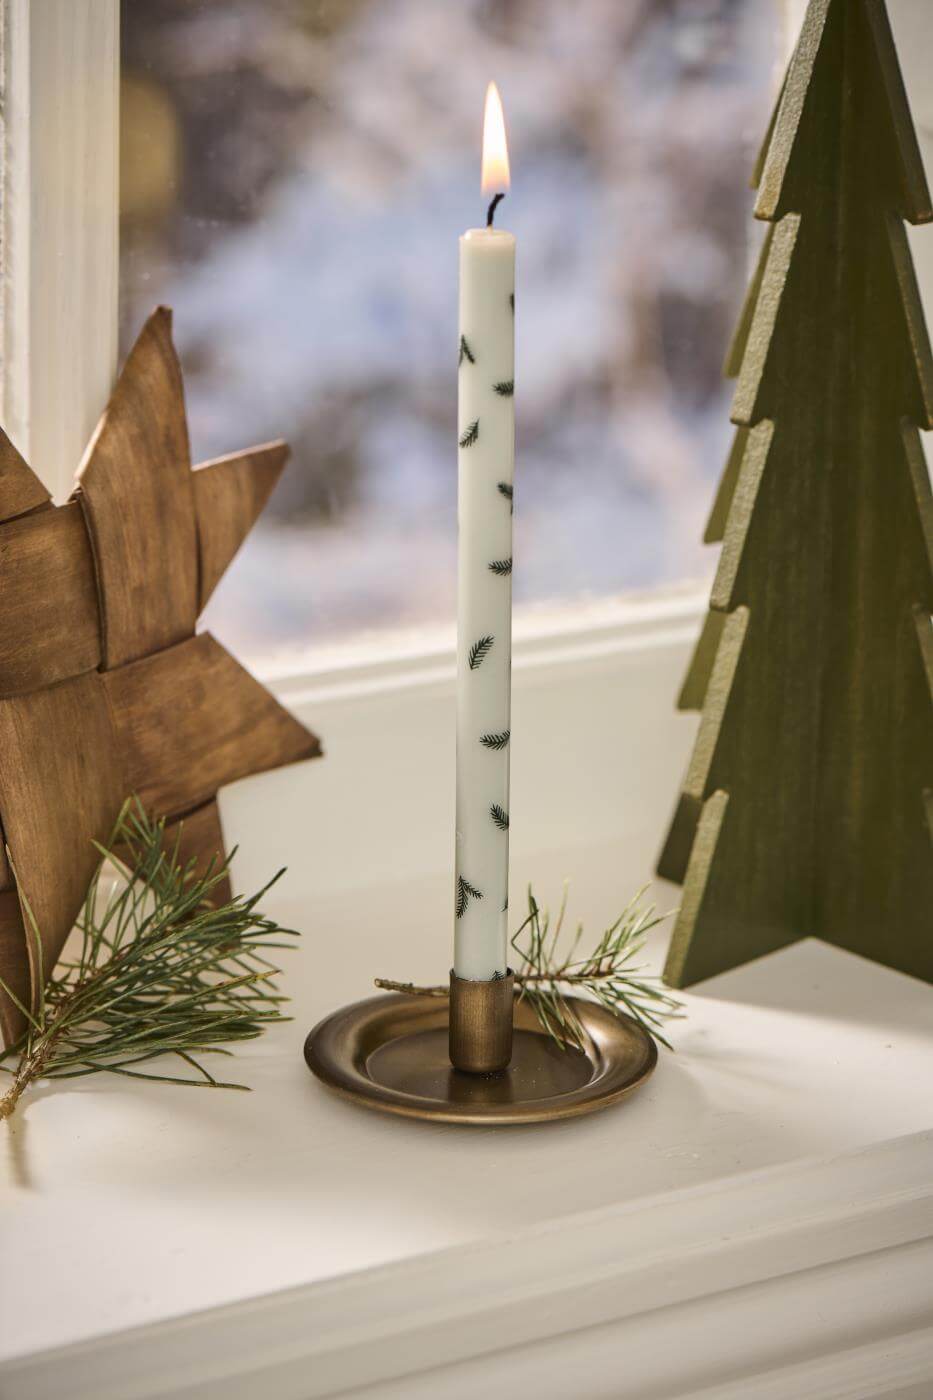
column 393, row 1053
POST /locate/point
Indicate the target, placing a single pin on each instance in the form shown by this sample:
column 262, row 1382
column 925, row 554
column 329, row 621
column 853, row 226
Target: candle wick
column 491, row 211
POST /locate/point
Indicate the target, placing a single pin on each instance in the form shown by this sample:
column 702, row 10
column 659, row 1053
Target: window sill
column 769, row 1186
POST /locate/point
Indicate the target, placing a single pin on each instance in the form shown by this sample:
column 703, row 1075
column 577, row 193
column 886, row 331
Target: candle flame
column 495, row 178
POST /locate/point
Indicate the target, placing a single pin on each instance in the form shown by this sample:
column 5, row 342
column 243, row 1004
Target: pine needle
column 162, row 969
column 544, row 976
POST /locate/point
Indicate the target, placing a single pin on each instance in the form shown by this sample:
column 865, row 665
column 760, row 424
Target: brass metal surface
column 391, row 1053
column 480, row 1031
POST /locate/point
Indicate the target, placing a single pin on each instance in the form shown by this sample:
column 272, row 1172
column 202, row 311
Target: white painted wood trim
column 60, row 114
column 798, row 1276
column 567, row 635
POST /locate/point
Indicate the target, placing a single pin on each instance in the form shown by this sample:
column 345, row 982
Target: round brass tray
column 390, row 1053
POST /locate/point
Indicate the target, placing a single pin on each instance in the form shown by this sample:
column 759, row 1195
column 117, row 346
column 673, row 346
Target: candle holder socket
column 480, row 1025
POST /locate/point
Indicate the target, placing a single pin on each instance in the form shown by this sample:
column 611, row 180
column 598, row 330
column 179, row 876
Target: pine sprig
column 502, row 567
column 607, row 975
column 505, row 388
column 500, row 816
column 468, row 438
column 479, row 651
column 495, row 741
column 465, row 352
column 161, row 969
column 505, row 490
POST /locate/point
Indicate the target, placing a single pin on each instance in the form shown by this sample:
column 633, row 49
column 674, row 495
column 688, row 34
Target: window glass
column 295, row 174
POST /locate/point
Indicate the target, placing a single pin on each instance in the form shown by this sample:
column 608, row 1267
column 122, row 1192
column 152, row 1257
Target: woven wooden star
column 105, row 688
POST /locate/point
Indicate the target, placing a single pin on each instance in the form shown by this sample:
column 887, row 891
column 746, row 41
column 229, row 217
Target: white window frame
column 60, row 264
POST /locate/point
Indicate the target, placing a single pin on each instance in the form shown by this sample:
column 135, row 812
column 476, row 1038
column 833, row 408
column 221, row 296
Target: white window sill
column 755, row 1223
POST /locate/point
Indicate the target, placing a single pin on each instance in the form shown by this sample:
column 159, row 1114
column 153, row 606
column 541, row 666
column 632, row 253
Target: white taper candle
column 484, row 606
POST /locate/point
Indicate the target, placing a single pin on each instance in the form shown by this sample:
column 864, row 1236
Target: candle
column 484, row 590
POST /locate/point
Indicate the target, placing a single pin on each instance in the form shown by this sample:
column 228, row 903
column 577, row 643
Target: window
column 294, row 178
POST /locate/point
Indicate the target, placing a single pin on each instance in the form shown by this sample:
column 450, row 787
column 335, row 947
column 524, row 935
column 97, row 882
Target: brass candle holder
column 478, row 1056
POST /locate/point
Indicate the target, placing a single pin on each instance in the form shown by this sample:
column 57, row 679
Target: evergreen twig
column 607, row 975
column 471, row 434
column 160, row 969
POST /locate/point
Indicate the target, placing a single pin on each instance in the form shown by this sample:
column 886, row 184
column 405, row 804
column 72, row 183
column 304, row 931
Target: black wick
column 491, row 211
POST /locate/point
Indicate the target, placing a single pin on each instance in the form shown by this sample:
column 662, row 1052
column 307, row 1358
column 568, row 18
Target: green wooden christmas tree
column 807, row 804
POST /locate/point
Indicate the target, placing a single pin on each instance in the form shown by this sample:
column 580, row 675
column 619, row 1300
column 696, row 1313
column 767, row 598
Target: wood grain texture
column 20, row 488
column 135, row 488
column 61, row 787
column 14, row 968
column 804, row 806
column 191, row 718
column 229, row 496
column 50, row 624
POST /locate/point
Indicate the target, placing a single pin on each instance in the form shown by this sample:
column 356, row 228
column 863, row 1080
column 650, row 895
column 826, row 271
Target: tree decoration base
column 391, row 1053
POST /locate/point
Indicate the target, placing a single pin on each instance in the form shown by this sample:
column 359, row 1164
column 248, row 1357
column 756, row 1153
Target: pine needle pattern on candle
column 465, row 892
column 495, row 741
column 479, row 650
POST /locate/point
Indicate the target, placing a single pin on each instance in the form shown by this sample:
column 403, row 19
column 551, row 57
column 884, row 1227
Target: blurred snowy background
column 295, row 174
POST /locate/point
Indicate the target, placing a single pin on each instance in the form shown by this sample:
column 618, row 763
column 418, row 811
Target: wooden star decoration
column 106, row 689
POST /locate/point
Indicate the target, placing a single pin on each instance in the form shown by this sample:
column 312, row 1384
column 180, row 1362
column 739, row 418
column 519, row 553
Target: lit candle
column 484, row 604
